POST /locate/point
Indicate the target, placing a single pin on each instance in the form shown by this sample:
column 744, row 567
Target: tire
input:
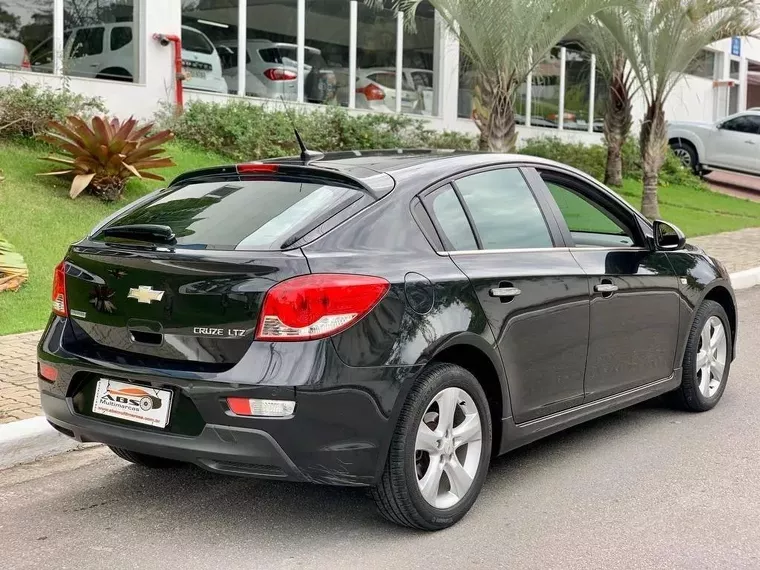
column 398, row 495
column 145, row 460
column 687, row 154
column 692, row 395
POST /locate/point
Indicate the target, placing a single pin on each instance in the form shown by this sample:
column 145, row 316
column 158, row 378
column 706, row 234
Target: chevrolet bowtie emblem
column 145, row 294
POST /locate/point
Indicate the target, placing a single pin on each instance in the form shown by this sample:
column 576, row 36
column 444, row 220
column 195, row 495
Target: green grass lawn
column 38, row 217
column 698, row 211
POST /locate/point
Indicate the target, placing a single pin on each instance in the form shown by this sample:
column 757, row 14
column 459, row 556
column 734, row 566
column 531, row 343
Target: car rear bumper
column 338, row 434
column 220, row 448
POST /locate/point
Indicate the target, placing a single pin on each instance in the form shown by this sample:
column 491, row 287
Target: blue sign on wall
column 736, row 46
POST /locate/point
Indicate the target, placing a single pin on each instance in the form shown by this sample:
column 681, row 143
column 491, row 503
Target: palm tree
column 660, row 39
column 504, row 40
column 621, row 86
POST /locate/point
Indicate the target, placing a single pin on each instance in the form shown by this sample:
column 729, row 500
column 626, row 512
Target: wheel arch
column 721, row 295
column 689, row 139
column 476, row 356
column 115, row 73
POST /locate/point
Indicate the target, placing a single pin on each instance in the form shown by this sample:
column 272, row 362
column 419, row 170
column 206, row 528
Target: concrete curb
column 746, row 279
column 28, row 440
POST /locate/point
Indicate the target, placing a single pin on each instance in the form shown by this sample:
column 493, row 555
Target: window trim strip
column 540, row 250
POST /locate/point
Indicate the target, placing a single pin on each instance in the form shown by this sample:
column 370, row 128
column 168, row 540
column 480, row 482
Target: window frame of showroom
column 139, row 27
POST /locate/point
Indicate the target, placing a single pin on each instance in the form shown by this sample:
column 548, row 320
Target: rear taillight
column 60, row 307
column 372, row 92
column 317, row 306
column 280, row 74
column 26, row 63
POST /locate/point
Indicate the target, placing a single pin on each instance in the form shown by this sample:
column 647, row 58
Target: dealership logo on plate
column 132, row 403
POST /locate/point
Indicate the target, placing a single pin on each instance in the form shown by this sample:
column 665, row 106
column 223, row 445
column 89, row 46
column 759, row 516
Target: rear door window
column 245, row 215
column 88, row 41
column 196, row 42
column 229, row 56
column 121, row 36
column 504, row 210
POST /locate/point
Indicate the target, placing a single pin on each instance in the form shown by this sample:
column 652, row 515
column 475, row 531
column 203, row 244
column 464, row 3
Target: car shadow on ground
column 190, row 499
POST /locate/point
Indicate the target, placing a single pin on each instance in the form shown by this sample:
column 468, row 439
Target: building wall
column 693, row 99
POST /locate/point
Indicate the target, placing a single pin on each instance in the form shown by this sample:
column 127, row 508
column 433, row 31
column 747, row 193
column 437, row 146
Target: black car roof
column 379, row 171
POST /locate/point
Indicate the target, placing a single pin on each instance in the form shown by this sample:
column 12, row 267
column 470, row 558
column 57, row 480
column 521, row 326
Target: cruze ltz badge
column 145, row 294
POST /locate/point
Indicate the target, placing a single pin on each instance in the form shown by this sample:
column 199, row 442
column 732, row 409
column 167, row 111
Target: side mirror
column 668, row 237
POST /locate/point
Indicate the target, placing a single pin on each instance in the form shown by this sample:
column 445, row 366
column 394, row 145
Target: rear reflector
column 26, row 63
column 256, row 168
column 60, row 307
column 317, row 306
column 263, row 408
column 47, row 372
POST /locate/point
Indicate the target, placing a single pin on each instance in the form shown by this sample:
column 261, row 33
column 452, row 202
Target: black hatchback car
column 390, row 320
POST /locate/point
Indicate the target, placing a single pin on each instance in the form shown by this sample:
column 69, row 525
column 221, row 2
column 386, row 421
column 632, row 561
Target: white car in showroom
column 13, row 55
column 733, row 143
column 107, row 51
column 272, row 68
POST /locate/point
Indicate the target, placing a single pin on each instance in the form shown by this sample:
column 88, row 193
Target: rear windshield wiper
column 142, row 232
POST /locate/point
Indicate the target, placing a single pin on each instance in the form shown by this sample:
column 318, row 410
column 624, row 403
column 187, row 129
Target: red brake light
column 372, row 92
column 317, row 306
column 256, row 168
column 26, row 63
column 280, row 74
column 60, row 306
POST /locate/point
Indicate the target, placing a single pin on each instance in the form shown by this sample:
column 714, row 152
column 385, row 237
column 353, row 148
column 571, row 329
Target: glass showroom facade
column 319, row 52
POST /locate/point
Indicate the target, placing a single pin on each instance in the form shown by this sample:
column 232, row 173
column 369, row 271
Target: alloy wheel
column 711, row 356
column 448, row 448
column 683, row 156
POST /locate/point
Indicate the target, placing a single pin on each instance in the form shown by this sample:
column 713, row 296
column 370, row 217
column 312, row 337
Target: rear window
column 245, row 215
column 196, row 41
column 286, row 55
column 271, row 55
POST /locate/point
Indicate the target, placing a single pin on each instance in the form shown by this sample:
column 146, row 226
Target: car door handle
column 605, row 288
column 749, row 142
column 504, row 292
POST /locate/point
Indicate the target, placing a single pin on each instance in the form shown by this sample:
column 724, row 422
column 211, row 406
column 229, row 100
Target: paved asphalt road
column 645, row 488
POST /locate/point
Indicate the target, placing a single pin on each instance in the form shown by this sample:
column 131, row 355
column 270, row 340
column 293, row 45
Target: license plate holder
column 132, row 403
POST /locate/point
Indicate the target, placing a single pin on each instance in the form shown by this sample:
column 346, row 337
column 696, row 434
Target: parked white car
column 13, row 55
column 376, row 89
column 732, row 143
column 272, row 70
column 107, row 51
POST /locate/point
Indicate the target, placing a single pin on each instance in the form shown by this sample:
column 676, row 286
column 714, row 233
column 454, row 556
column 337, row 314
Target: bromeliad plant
column 102, row 157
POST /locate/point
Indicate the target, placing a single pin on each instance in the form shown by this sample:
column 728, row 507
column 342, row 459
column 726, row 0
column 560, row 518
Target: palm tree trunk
column 502, row 133
column 617, row 122
column 495, row 118
column 654, row 146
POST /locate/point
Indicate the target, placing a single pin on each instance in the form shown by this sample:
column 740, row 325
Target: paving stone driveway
column 18, row 375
